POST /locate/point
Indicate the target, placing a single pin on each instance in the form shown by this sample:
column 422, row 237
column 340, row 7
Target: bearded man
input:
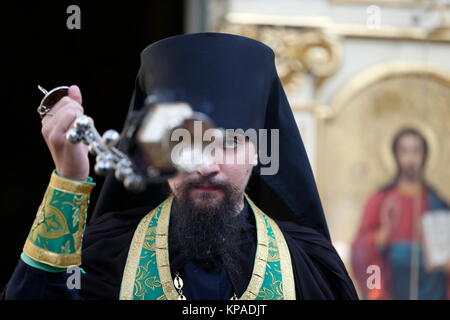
column 230, row 230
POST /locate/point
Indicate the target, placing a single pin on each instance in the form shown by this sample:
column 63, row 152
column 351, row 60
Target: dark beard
column 199, row 233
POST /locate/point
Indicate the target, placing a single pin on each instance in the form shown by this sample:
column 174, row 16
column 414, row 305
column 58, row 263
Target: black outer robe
column 319, row 272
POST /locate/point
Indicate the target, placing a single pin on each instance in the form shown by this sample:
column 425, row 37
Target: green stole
column 147, row 271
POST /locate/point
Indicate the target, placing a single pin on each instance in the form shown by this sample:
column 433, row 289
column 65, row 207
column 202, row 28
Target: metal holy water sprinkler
column 108, row 157
column 151, row 130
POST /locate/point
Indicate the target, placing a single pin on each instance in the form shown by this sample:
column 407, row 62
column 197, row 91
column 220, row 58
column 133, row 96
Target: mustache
column 202, row 181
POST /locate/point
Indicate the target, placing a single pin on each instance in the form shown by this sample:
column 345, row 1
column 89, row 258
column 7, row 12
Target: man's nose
column 209, row 169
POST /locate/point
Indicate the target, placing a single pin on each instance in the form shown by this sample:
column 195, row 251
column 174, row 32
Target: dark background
column 102, row 58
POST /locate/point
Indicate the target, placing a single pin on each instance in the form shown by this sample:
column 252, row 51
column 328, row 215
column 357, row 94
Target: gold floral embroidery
column 145, row 281
column 273, row 291
column 56, row 234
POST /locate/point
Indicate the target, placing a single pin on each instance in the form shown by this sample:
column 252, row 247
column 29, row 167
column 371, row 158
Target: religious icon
column 355, row 158
column 390, row 234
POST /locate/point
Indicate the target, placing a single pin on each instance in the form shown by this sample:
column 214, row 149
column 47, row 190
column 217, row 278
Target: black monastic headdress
column 233, row 80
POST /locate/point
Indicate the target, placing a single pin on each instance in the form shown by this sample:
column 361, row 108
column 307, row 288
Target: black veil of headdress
column 233, row 80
